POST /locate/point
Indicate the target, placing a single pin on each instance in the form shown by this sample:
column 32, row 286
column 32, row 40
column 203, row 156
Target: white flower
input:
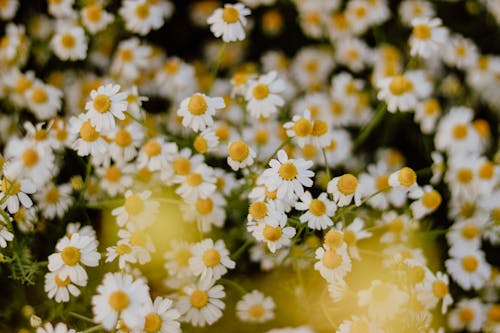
column 59, row 328
column 384, row 300
column 300, row 129
column 197, row 111
column 106, row 104
column 433, row 289
column 141, row 16
column 455, row 133
column 406, row 179
column 162, row 317
column 156, row 153
column 428, row 203
column 319, row 211
column 210, row 261
column 70, row 43
column 60, row 9
column 263, row 97
column 468, row 315
column 344, row 188
column 8, row 9
column 60, row 289
column 333, row 263
column 403, row 92
column 229, row 22
column 240, row 155
column 428, row 37
column 5, row 236
column 201, row 303
column 468, row 267
column 54, row 201
column 255, row 307
column 273, row 231
column 177, row 259
column 90, row 140
column 288, row 176
column 17, row 192
column 137, row 210
column 199, row 183
column 95, row 18
column 43, row 100
column 120, row 297
column 352, row 234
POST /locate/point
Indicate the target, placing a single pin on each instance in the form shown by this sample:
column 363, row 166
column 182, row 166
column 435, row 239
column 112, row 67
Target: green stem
column 365, row 132
column 93, row 329
column 241, row 249
column 283, row 144
column 234, row 285
column 215, row 69
column 82, row 317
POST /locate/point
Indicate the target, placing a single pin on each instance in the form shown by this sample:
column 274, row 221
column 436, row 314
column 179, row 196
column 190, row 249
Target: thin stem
column 93, row 329
column 283, row 144
column 241, row 249
column 327, row 166
column 82, row 317
column 366, row 131
column 234, row 285
column 215, row 69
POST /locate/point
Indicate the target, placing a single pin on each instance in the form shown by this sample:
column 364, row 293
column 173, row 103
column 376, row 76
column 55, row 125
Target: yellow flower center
column 144, row 175
column 172, row 66
column 230, row 15
column 482, row 127
column 261, row 137
column 142, row 11
column 317, row 207
column 470, row 263
column 194, row 179
column 200, row 144
column 464, row 176
column 238, row 151
column 204, row 206
column 126, row 55
column 22, row 84
column 39, row 96
column 494, row 314
column 118, row 300
column 123, row 249
column 407, row 177
column 360, row 11
column 432, row 107
column 182, row 257
column 138, row 238
column 197, row 105
column 288, row 171
column 302, row 127
column 211, row 258
column 102, row 103
column 396, row 226
column 94, row 13
column 417, row 274
column 70, row 255
column 123, row 138
column 258, row 210
column 347, row 184
column 68, row 41
column 271, row 195
column 88, row 132
column 61, row 134
column 52, row 196
column 466, row 315
column 256, row 311
column 134, row 205
column 30, row 157
column 319, row 128
column 331, row 259
column 431, row 200
column 382, row 182
column 222, row 133
column 486, row 170
column 334, row 238
column 422, row 31
column 112, row 174
column 152, row 148
column 309, row 151
column 495, row 215
column 470, row 231
column 260, row 91
column 12, row 188
column 350, row 237
column 152, row 323
column 337, row 108
column 439, row 289
column 199, row 298
column 400, row 85
column 271, row 233
column 460, row 131
column 182, row 166
column 62, row 283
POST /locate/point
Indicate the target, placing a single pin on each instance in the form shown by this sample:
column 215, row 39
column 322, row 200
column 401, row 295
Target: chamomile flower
column 435, row 288
column 8, row 9
column 353, row 53
column 468, row 267
column 333, row 263
column 199, row 183
column 460, row 52
column 288, row 176
column 353, row 233
column 344, row 189
column 273, row 230
column 54, row 200
column 120, row 297
column 399, row 227
column 469, row 314
column 131, row 57
column 201, row 303
column 61, row 289
column 411, row 9
column 427, row 113
column 59, row 328
column 95, row 18
column 207, row 213
column 358, row 324
column 61, row 9
column 206, row 141
column 162, row 317
column 5, row 236
column 455, row 133
column 197, row 111
column 402, row 92
column 90, row 141
column 240, row 155
column 406, row 179
column 210, row 260
column 70, row 43
column 229, row 22
column 428, row 203
column 319, row 211
column 255, row 307
column 72, row 253
column 263, row 95
column 155, row 154
column 122, row 251
column 428, row 37
column 17, row 192
column 384, row 300
column 106, row 103
column 43, row 100
column 141, row 16
column 137, row 210
column 116, row 178
column 300, row 128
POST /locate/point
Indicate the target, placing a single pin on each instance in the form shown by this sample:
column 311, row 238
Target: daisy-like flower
column 95, row 18
column 8, row 9
column 199, row 183
column 384, row 300
column 59, row 328
column 404, row 91
column 62, row 8
column 406, row 179
column 273, row 230
column 263, row 95
column 5, row 236
column 201, row 303
column 70, row 43
column 353, row 53
column 131, row 57
column 197, row 111
column 17, row 193
column 137, row 210
column 435, row 289
column 124, row 252
column 240, row 155
column 254, row 307
column 319, row 211
column 428, row 203
column 300, row 128
column 333, row 263
column 120, row 297
column 206, row 141
column 90, row 140
column 141, row 16
column 60, row 289
column 155, row 154
column 399, row 226
column 71, row 253
column 411, row 9
column 116, row 178
column 344, row 188
column 428, row 37
column 288, row 176
column 468, row 315
column 359, row 324
column 229, row 22
column 206, row 212
column 106, row 103
column 177, row 259
column 210, row 260
column 427, row 113
column 126, row 141
column 455, row 133
column 54, row 200
column 460, row 52
column 43, row 100
column 352, row 234
column 468, row 267
column 162, row 317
